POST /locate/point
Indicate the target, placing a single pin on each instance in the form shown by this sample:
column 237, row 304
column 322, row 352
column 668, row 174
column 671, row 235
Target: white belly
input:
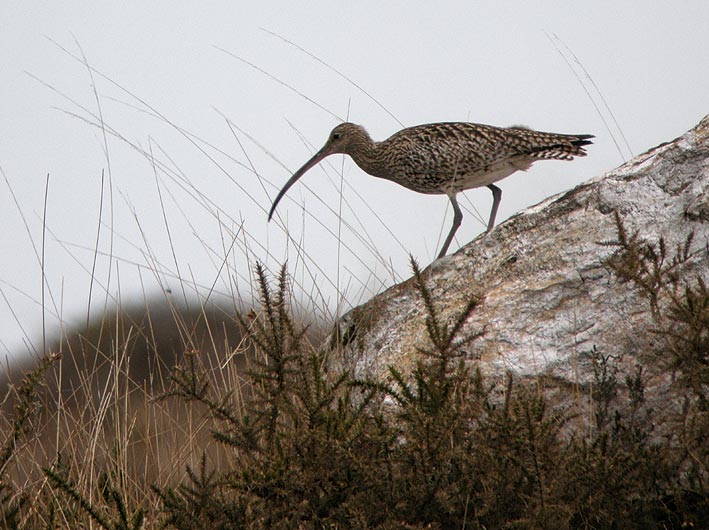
column 489, row 175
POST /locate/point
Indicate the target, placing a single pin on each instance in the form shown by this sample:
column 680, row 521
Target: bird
column 446, row 158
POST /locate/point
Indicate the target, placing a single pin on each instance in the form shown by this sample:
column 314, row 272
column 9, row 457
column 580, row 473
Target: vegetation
column 306, row 446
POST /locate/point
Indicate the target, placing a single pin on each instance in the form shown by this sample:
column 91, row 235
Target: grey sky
column 482, row 62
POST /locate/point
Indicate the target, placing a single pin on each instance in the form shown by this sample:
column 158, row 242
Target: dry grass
column 99, row 408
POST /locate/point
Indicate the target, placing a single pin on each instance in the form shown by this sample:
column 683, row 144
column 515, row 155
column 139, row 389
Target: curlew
column 446, row 158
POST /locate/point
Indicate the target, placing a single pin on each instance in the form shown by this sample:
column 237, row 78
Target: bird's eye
column 336, row 136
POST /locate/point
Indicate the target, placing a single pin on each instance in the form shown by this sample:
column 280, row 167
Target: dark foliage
column 438, row 447
column 112, row 514
column 26, row 405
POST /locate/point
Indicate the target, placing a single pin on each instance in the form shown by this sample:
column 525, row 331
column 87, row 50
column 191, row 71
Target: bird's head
column 345, row 139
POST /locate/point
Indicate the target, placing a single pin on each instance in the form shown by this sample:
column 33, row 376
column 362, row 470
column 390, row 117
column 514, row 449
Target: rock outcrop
column 548, row 300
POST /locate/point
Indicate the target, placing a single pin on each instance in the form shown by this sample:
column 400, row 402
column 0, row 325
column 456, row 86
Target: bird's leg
column 457, row 218
column 496, row 198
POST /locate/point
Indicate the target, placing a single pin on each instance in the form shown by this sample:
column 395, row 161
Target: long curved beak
column 310, row 163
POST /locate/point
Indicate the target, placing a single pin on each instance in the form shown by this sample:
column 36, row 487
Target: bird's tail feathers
column 566, row 148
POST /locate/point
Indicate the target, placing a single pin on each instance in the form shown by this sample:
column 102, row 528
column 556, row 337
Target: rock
column 548, row 301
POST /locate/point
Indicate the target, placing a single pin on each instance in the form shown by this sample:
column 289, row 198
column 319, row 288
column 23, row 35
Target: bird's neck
column 367, row 155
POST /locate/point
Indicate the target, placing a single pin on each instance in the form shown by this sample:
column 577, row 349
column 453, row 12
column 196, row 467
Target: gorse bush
column 306, row 445
column 301, row 453
column 439, row 447
column 679, row 303
column 21, row 425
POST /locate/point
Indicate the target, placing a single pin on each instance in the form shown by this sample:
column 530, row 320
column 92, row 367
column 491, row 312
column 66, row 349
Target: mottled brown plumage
column 445, row 158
